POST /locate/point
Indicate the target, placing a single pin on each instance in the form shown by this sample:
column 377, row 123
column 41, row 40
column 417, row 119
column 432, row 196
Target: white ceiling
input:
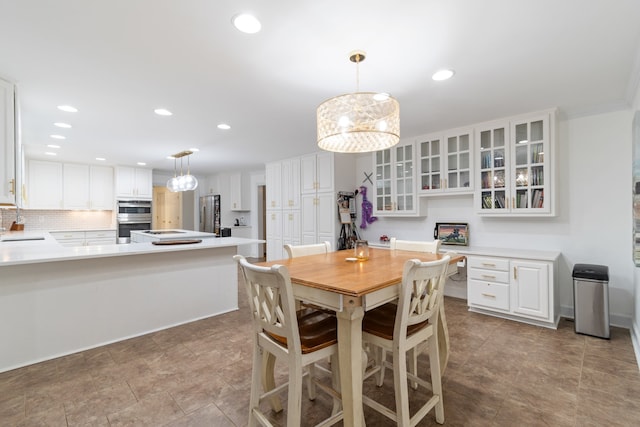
column 118, row 60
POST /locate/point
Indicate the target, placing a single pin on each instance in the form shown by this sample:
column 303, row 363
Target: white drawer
column 107, row 234
column 499, row 264
column 64, row 235
column 489, row 275
column 71, row 242
column 493, row 295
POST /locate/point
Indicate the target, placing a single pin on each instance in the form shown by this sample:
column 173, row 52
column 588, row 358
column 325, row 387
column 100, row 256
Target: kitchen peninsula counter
column 57, row 300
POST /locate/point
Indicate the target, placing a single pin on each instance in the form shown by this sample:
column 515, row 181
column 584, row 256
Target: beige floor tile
column 155, row 410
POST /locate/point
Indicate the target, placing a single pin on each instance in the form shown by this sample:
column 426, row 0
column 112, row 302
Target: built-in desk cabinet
column 515, row 166
column 445, row 163
column 513, row 288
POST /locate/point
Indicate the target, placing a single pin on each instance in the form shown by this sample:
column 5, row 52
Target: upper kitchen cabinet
column 239, row 193
column 445, row 163
column 515, row 166
column 273, row 177
column 134, row 183
column 11, row 162
column 317, row 172
column 69, row 186
column 395, row 182
column 45, row 185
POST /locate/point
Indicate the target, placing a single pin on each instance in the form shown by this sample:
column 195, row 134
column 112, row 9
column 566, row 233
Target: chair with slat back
column 298, row 339
column 413, row 322
column 312, row 249
column 415, row 245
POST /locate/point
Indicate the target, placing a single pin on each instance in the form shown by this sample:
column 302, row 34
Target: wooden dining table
column 350, row 288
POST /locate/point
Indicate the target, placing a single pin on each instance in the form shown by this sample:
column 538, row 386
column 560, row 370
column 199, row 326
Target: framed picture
column 452, row 233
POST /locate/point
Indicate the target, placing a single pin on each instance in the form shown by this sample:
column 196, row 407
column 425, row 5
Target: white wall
column 594, row 211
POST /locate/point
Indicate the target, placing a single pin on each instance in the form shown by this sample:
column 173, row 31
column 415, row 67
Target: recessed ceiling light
column 224, row 126
column 195, row 150
column 58, row 137
column 142, row 164
column 162, row 112
column 442, row 75
column 63, row 125
column 100, row 159
column 53, row 146
column 68, row 108
column 49, row 153
column 247, row 23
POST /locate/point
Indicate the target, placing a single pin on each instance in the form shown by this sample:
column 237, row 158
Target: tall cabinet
column 11, row 160
column 301, row 198
column 515, row 166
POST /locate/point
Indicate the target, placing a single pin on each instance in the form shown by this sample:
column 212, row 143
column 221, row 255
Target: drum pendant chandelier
column 358, row 122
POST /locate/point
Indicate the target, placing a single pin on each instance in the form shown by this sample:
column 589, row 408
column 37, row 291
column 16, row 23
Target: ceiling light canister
column 358, row 122
column 246, row 23
column 442, row 75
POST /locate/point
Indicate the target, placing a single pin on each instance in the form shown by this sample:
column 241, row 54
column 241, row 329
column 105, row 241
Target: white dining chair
column 415, row 245
column 400, row 329
column 298, row 339
column 294, row 251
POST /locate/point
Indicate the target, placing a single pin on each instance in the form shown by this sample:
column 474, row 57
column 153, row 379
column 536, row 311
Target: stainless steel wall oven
column 132, row 215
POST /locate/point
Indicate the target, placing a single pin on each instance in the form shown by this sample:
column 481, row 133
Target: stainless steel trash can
column 591, row 299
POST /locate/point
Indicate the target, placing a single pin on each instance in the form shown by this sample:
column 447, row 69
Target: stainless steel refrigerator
column 210, row 214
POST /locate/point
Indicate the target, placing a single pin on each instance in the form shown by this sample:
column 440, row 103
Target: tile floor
column 501, row 373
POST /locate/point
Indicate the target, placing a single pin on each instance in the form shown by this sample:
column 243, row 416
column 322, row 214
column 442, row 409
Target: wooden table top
column 334, row 273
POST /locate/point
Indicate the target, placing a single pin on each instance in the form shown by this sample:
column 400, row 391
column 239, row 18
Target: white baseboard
column 635, row 339
column 618, row 320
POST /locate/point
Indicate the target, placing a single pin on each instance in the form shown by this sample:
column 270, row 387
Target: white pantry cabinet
column 10, row 162
column 513, row 288
column 134, row 183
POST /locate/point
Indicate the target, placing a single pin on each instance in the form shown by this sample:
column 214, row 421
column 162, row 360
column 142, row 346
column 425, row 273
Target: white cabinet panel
column 75, row 189
column 45, row 185
column 8, row 147
column 134, row 182
column 531, row 288
column 101, row 187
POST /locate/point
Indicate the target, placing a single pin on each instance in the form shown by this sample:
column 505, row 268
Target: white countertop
column 49, row 250
column 485, row 251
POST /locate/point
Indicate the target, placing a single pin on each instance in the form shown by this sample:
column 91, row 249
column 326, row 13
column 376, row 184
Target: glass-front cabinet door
column 395, row 192
column 492, row 156
column 515, row 159
column 530, row 139
column 445, row 163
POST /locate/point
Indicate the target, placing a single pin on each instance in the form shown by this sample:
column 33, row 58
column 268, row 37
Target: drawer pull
column 487, row 276
column 488, row 264
column 488, row 295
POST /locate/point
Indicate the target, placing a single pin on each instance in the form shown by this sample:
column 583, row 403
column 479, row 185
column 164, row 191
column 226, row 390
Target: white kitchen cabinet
column 239, row 193
column 10, row 162
column 319, row 218
column 290, row 182
column 515, row 160
column 317, row 172
column 134, row 183
column 101, row 188
column 84, row 238
column 273, row 177
column 445, row 163
column 395, row 182
column 75, row 186
column 45, row 185
column 274, row 235
column 513, row 288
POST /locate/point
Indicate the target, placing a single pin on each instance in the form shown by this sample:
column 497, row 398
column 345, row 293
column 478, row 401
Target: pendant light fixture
column 358, row 122
column 186, row 182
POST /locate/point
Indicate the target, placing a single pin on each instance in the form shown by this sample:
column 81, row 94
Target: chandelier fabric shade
column 358, row 122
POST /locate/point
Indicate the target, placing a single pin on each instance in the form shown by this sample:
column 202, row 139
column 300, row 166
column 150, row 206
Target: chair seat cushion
column 381, row 321
column 318, row 329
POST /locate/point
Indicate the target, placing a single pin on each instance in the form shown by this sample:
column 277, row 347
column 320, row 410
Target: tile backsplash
column 50, row 220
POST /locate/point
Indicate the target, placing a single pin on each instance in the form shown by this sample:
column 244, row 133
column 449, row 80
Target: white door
column 530, row 285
